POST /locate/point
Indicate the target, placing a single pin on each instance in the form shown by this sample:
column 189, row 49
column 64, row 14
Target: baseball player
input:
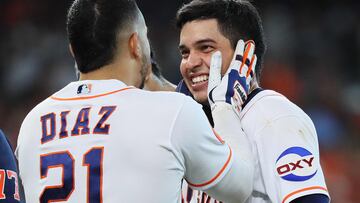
column 9, row 184
column 283, row 138
column 101, row 139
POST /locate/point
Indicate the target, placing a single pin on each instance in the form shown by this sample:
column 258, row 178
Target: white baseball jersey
column 285, row 144
column 190, row 195
column 102, row 141
column 285, row 148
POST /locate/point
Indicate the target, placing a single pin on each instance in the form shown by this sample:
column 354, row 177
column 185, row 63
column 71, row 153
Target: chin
column 201, row 98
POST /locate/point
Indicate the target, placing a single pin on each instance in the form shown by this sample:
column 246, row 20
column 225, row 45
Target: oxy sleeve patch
column 296, row 164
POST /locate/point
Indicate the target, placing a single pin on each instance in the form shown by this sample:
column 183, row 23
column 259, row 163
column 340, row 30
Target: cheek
column 183, row 69
column 226, row 60
column 207, row 60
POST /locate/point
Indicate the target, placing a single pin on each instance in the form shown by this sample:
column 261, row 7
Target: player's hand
column 233, row 88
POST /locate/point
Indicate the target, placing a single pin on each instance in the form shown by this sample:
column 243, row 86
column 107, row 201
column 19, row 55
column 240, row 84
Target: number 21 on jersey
column 92, row 159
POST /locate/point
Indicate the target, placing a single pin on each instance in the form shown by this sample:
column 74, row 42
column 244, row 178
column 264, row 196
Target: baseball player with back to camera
column 101, row 139
column 283, row 138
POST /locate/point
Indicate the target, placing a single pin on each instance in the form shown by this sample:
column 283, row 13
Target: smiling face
column 199, row 39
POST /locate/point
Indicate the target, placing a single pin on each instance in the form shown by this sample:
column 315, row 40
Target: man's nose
column 194, row 60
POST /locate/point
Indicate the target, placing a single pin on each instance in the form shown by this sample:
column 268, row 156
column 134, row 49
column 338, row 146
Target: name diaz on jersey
column 81, row 126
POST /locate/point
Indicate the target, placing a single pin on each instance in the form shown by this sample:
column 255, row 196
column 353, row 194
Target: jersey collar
column 252, row 95
column 86, row 89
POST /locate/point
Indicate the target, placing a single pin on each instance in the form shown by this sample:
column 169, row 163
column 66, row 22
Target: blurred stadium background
column 313, row 58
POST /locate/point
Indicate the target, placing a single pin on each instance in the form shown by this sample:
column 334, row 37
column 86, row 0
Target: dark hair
column 92, row 27
column 237, row 19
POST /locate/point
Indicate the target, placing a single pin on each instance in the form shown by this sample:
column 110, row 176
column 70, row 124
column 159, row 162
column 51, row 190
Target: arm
column 289, row 158
column 9, row 184
column 232, row 182
column 209, row 163
column 226, row 96
column 314, row 198
column 158, row 83
column 228, row 126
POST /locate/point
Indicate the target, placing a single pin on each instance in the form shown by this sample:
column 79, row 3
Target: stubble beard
column 144, row 70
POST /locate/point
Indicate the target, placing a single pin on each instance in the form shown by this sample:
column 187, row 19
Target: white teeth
column 200, row 78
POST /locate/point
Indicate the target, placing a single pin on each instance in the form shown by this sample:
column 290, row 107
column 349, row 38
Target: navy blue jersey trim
column 313, row 198
column 252, row 95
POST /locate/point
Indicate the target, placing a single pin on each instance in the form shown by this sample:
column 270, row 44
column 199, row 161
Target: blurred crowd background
column 313, row 58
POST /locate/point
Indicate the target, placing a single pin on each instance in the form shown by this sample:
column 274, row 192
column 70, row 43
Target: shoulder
column 4, row 143
column 41, row 107
column 162, row 94
column 167, row 99
column 31, row 120
column 7, row 159
column 271, row 105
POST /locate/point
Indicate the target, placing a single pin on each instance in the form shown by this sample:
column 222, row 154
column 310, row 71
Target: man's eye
column 184, row 54
column 207, row 48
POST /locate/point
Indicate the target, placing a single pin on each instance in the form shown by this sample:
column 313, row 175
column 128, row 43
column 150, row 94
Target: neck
column 103, row 73
column 253, row 85
column 119, row 71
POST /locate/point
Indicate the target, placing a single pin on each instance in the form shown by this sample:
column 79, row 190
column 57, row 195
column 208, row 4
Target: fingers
column 252, row 66
column 247, row 57
column 215, row 71
column 239, row 50
column 238, row 56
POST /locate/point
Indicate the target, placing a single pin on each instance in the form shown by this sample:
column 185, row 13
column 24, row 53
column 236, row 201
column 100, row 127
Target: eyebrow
column 182, row 46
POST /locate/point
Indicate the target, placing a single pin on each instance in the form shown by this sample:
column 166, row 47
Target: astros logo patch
column 296, row 164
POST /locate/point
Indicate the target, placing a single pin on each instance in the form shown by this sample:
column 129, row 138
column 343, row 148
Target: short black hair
column 237, row 19
column 92, row 27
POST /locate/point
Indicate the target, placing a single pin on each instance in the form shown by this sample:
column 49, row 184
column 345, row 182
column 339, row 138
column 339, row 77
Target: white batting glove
column 233, row 88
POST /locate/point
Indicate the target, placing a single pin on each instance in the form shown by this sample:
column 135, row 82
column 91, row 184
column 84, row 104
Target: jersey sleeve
column 9, row 187
column 204, row 155
column 289, row 159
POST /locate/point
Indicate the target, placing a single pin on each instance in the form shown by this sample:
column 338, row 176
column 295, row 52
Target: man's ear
column 134, row 45
column 71, row 51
